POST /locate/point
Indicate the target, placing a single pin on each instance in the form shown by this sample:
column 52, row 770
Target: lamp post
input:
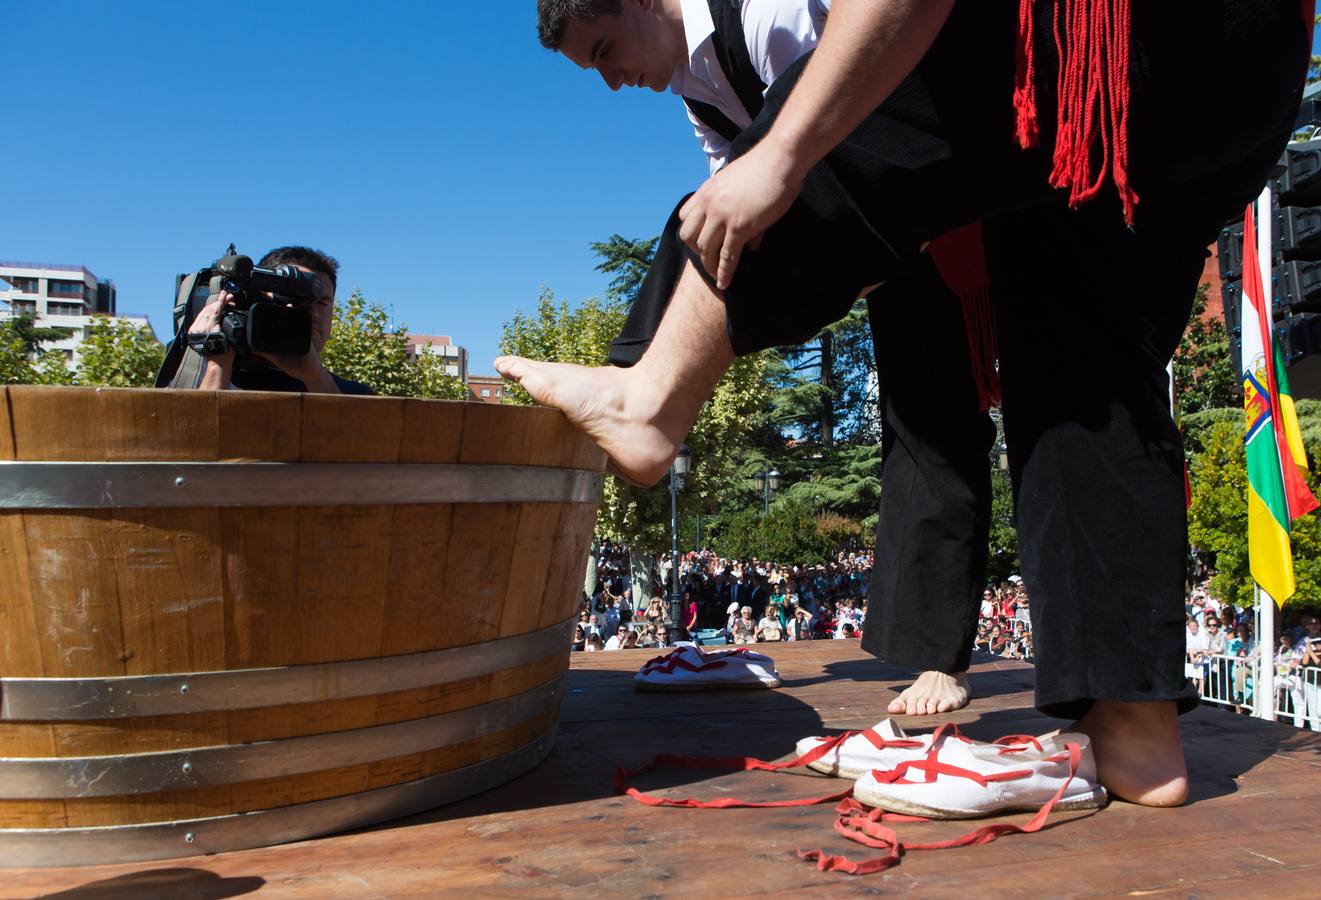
column 681, row 466
column 767, row 482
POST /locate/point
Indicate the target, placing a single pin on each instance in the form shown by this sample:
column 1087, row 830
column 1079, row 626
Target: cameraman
column 292, row 373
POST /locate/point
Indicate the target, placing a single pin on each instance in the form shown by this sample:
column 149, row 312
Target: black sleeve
column 352, row 387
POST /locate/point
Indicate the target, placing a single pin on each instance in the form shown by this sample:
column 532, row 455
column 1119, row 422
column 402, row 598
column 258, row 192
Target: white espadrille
column 855, row 753
column 689, row 668
column 961, row 779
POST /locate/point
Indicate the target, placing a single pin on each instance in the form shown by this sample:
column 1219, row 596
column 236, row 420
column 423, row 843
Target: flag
column 1277, row 465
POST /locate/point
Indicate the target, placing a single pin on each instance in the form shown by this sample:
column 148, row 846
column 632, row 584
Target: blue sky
column 451, row 164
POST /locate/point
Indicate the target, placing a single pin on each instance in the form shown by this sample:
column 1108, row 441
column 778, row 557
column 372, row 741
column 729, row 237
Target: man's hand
column 220, row 368
column 867, row 50
column 735, row 206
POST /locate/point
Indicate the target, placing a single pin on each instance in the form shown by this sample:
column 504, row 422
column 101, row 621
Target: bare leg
column 640, row 415
column 932, row 693
column 1138, row 754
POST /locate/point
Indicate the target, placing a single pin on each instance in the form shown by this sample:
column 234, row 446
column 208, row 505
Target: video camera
column 271, row 310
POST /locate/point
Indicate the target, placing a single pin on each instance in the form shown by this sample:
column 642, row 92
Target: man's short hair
column 553, row 15
column 303, row 256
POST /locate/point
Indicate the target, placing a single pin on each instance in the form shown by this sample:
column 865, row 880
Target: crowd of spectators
column 1003, row 625
column 1223, row 653
column 742, row 601
column 751, row 601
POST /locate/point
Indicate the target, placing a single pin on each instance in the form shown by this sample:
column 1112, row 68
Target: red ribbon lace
column 854, row 820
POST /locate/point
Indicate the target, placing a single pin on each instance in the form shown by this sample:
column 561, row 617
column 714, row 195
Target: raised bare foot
column 933, row 692
column 1138, row 754
column 612, row 408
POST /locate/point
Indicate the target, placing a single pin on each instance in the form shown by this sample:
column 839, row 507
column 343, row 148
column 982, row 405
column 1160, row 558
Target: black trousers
column 934, row 525
column 1088, row 312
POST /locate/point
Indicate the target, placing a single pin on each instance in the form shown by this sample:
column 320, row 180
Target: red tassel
column 1028, row 130
column 1092, row 96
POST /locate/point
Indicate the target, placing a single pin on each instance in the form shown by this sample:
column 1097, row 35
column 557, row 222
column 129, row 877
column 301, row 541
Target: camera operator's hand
column 219, row 368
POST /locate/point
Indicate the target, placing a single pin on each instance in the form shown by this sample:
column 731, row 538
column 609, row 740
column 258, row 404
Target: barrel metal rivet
column 180, row 481
column 184, row 688
column 187, row 768
column 189, row 838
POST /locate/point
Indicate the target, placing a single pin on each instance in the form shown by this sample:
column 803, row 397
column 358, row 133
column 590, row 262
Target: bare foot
column 933, row 692
column 1138, row 754
column 613, row 408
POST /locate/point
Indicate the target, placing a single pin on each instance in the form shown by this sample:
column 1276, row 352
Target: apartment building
column 61, row 296
column 455, row 357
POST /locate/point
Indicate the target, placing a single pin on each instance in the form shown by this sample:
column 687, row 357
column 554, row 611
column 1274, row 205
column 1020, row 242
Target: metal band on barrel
column 25, row 847
column 176, row 770
column 124, row 697
column 156, row 485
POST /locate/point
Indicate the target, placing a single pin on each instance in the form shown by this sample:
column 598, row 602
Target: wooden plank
column 115, row 424
column 257, row 425
column 6, row 426
column 423, row 598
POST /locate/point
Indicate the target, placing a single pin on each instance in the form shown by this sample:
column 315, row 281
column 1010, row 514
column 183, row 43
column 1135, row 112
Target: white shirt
column 778, row 32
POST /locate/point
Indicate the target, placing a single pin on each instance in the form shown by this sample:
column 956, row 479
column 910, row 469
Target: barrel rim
column 139, row 696
column 28, row 485
column 47, row 847
column 80, row 777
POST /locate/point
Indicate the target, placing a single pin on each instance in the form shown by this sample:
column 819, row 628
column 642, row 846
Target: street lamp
column 681, row 466
column 767, row 482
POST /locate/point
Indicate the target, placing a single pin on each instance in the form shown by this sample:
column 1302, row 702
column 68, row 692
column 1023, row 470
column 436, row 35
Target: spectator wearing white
column 1288, row 678
column 768, row 629
column 744, row 629
column 1197, row 644
column 800, row 625
column 1309, row 661
column 616, row 641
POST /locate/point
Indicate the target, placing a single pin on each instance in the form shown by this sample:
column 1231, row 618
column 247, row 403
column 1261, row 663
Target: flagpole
column 1264, row 706
column 1265, row 602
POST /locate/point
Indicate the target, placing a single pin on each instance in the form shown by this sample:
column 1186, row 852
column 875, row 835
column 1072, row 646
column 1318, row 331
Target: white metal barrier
column 1231, row 681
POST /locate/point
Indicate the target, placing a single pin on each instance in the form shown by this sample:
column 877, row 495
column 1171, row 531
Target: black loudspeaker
column 1295, row 267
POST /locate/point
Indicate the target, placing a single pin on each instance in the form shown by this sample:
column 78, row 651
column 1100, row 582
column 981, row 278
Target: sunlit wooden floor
column 1253, row 826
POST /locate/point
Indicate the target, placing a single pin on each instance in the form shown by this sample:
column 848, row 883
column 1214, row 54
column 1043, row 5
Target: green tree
column 32, row 335
column 628, row 261
column 118, row 353
column 363, row 347
column 789, row 534
column 15, row 366
column 1218, row 516
column 1002, row 558
column 1204, row 376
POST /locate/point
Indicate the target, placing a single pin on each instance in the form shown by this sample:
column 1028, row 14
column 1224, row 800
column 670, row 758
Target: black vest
column 731, row 50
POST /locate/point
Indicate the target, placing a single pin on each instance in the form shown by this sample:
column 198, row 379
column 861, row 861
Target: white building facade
column 61, row 296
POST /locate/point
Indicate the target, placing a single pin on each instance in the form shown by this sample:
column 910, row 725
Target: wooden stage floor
column 1253, row 825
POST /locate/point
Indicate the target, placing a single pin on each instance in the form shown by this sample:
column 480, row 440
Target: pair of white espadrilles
column 939, row 775
column 944, row 775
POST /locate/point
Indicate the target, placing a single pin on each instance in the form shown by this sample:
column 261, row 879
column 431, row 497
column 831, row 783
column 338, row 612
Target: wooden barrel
column 235, row 619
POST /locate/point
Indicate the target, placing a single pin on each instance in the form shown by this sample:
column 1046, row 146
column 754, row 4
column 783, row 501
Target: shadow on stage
column 196, row 884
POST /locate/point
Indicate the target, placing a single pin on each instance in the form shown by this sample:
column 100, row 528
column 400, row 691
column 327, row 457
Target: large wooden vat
column 234, row 619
